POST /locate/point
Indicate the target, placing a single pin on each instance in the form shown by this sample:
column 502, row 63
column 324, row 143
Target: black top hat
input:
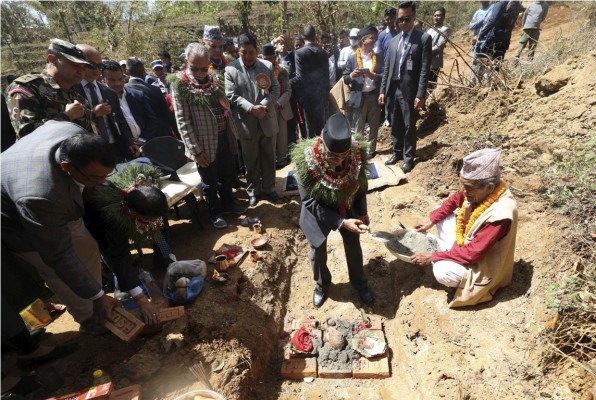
column 369, row 30
column 268, row 50
column 337, row 135
column 68, row 50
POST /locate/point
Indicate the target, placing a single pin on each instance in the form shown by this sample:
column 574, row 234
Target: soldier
column 36, row 98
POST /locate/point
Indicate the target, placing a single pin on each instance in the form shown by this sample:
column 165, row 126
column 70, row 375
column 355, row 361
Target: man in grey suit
column 253, row 89
column 405, row 79
column 312, row 82
column 43, row 176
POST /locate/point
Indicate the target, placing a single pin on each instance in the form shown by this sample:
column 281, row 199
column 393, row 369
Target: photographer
column 363, row 74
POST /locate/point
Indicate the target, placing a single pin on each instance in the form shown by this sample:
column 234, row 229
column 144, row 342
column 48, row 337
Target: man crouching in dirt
column 331, row 173
column 477, row 230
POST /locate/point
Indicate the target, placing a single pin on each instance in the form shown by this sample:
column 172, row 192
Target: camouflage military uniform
column 34, row 99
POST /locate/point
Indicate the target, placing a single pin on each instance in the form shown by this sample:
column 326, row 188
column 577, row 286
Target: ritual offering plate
column 259, row 243
column 369, row 343
column 404, row 243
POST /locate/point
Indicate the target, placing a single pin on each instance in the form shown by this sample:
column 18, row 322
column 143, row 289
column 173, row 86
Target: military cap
column 68, row 50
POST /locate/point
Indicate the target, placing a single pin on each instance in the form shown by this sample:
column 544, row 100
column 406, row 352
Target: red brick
column 365, row 368
column 124, row 325
column 299, row 368
column 128, row 393
column 168, row 314
column 308, row 322
column 333, row 373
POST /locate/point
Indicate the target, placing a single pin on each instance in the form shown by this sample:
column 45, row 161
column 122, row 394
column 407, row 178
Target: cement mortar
column 412, row 242
column 340, row 360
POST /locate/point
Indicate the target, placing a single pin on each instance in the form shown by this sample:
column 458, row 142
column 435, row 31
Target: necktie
column 101, row 121
column 400, row 52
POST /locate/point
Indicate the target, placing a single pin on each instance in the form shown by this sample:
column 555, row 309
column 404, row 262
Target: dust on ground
column 490, row 351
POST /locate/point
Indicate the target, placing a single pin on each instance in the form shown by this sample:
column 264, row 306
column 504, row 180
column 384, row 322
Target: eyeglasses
column 197, row 69
column 91, row 178
column 402, row 20
column 93, row 65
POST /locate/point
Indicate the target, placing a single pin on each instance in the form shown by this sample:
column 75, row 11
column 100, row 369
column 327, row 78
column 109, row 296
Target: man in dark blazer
column 166, row 122
column 252, row 89
column 312, row 82
column 405, row 79
column 43, row 175
column 318, row 216
column 105, row 107
column 135, row 107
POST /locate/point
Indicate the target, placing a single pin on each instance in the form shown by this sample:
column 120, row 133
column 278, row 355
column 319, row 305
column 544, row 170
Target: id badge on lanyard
column 409, row 62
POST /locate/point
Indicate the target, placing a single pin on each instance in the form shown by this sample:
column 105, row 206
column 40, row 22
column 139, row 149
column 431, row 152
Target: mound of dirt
column 484, row 352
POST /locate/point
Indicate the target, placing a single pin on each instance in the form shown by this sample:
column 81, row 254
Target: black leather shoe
column 366, row 296
column 273, row 196
column 319, row 296
column 252, row 201
column 407, row 166
column 393, row 160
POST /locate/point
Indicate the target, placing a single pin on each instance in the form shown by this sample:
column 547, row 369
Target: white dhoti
column 448, row 273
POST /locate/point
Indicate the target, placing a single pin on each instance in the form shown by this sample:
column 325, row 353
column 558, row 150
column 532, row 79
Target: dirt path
column 485, row 352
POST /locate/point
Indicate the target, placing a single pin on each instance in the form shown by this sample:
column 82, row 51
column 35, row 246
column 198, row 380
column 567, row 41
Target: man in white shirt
column 135, row 108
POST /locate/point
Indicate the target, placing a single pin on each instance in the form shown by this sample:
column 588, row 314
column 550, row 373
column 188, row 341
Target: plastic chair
column 183, row 180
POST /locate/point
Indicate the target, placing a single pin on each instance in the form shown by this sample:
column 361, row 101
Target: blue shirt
column 478, row 19
column 383, row 41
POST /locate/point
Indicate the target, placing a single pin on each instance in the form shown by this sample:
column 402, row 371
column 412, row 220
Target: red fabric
column 302, row 340
column 483, row 241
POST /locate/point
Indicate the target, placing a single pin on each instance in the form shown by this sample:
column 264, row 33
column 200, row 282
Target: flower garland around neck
column 460, row 231
column 210, row 93
column 276, row 69
column 321, row 171
column 219, row 67
column 359, row 60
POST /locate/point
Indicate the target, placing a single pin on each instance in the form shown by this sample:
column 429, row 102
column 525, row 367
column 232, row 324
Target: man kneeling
column 477, row 231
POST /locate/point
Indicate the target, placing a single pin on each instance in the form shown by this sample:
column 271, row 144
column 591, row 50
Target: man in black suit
column 405, row 79
column 166, row 122
column 135, row 107
column 312, row 82
column 333, row 200
column 105, row 107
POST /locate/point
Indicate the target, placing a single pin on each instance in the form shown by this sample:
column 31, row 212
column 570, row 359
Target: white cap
column 354, row 32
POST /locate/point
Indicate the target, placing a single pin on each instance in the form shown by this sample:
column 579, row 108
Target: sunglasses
column 93, row 65
column 402, row 20
column 197, row 69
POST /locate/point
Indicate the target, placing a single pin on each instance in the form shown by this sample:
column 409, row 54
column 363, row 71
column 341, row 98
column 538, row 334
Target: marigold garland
column 460, row 231
column 218, row 68
column 359, row 60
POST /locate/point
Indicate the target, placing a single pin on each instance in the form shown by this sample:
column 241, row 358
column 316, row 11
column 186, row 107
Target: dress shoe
column 393, row 160
column 252, row 201
column 273, row 196
column 366, row 296
column 319, row 296
column 407, row 166
column 56, row 353
column 218, row 222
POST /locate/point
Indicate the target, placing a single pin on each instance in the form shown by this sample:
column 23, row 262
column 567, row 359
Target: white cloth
column 446, row 272
column 369, row 84
column 344, row 54
column 331, row 71
column 130, row 119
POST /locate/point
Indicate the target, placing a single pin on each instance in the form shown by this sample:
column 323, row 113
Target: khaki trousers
column 88, row 251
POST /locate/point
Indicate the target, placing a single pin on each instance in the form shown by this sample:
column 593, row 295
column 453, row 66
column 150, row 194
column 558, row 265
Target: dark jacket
column 166, row 122
column 117, row 122
column 142, row 113
column 356, row 86
column 312, row 74
column 413, row 83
